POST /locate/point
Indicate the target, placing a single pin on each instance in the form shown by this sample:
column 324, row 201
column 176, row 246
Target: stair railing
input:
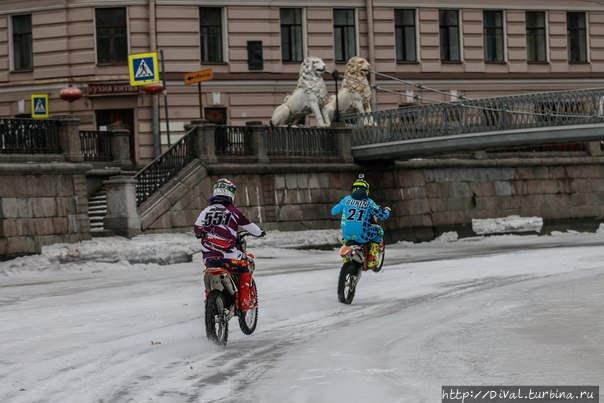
column 165, row 167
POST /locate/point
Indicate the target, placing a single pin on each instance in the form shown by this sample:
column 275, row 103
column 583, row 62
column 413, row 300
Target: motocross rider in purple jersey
column 217, row 227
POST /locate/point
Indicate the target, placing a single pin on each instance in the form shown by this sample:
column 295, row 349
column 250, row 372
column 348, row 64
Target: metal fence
column 300, row 141
column 29, row 136
column 165, row 167
column 233, row 140
column 95, row 145
column 564, row 108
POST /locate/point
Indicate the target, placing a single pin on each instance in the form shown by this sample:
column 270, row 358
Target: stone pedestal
column 258, row 143
column 205, row 141
column 69, row 136
column 120, row 148
column 122, row 214
column 343, row 142
column 594, row 148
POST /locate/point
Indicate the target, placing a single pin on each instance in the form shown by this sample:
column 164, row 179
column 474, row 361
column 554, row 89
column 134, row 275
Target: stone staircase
column 97, row 209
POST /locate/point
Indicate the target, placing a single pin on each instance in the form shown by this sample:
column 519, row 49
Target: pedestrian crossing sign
column 39, row 106
column 143, row 68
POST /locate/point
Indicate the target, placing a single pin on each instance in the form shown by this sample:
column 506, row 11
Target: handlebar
column 243, row 233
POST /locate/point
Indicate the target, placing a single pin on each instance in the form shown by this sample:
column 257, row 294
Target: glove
column 263, row 233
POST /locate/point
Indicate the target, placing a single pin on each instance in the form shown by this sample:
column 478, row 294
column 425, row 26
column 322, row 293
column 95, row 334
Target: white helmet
column 225, row 187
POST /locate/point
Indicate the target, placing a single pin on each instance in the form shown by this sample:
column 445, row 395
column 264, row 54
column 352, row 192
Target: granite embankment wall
column 45, row 203
column 428, row 197
column 42, row 204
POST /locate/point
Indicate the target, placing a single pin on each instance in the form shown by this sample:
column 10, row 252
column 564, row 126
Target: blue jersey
column 356, row 218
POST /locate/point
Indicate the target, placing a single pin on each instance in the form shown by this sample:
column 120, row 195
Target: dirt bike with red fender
column 223, row 299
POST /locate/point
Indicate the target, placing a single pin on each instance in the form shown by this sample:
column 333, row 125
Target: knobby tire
column 249, row 319
column 346, row 287
column 217, row 325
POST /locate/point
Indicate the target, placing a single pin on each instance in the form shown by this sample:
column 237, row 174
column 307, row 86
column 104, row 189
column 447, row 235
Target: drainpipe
column 155, row 97
column 371, row 43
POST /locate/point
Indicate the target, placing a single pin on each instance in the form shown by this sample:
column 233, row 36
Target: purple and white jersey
column 217, row 226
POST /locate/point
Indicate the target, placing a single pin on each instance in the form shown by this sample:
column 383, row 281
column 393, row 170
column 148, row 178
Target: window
column 344, row 34
column 535, row 36
column 404, row 27
column 23, row 57
column 210, row 28
column 577, row 37
column 111, row 36
column 449, row 35
column 493, row 36
column 291, row 34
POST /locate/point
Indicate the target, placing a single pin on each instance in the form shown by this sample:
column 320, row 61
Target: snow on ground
column 116, row 320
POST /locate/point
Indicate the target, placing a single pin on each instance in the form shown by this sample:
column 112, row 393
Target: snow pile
column 510, row 224
column 173, row 248
column 153, row 248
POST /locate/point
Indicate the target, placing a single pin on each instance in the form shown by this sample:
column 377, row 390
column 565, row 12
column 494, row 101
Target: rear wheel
column 248, row 319
column 217, row 322
column 381, row 254
column 347, row 282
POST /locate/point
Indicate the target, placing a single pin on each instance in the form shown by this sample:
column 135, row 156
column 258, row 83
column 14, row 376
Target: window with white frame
column 22, row 48
column 493, row 36
column 111, row 35
column 344, row 28
column 449, row 35
column 291, row 34
column 536, row 37
column 210, row 29
column 576, row 37
column 404, row 27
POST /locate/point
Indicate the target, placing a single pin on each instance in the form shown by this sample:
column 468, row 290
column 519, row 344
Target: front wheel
column 248, row 319
column 347, row 283
column 217, row 321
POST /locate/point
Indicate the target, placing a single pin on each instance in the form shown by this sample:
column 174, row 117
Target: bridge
column 163, row 195
column 503, row 122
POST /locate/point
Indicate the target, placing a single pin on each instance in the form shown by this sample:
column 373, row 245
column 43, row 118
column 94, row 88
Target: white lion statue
column 355, row 94
column 309, row 96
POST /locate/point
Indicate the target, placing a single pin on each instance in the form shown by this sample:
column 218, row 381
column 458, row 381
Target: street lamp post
column 336, row 75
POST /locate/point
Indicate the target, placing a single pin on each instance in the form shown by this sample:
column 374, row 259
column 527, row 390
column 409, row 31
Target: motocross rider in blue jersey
column 357, row 212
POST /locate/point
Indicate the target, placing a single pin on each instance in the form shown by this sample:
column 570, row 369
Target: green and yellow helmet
column 359, row 184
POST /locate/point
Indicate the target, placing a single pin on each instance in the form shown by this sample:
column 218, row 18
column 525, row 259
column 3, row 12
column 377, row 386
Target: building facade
column 420, row 51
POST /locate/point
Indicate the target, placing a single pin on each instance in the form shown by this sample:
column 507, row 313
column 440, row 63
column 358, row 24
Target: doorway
column 125, row 117
column 216, row 115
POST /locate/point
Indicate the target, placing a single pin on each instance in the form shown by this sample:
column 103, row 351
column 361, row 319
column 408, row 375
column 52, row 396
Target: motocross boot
column 245, row 302
column 379, row 256
column 372, row 255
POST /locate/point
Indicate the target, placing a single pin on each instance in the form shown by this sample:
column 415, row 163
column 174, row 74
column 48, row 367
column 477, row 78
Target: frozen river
column 504, row 310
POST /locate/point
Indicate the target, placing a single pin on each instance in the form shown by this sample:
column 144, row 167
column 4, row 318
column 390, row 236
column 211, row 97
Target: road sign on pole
column 143, row 68
column 39, row 106
column 198, row 76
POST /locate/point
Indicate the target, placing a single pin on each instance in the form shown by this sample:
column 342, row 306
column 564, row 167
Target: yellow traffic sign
column 143, row 68
column 198, row 76
column 39, row 106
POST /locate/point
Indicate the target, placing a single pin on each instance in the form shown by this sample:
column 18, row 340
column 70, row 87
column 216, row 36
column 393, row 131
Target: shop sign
column 112, row 89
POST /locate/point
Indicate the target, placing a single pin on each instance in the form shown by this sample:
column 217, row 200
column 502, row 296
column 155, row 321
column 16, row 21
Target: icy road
column 503, row 310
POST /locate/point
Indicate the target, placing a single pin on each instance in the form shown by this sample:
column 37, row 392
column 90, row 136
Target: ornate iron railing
column 29, row 136
column 233, row 140
column 565, row 108
column 302, row 141
column 165, row 167
column 95, row 145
